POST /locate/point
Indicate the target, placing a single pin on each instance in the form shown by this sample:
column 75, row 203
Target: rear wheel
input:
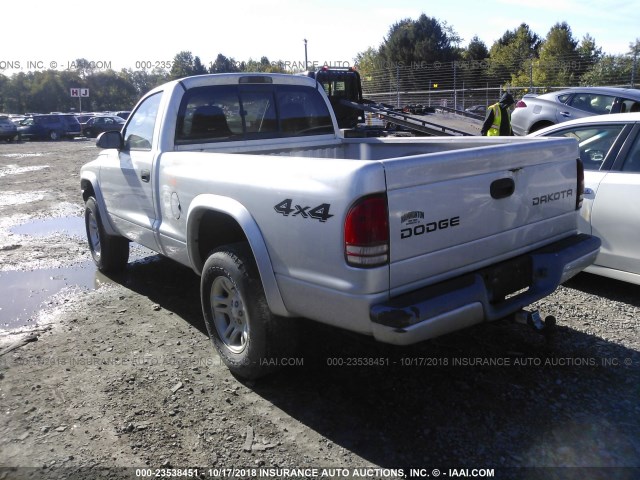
column 54, row 135
column 248, row 337
column 110, row 253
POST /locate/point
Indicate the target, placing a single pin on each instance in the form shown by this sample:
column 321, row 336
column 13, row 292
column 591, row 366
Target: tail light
column 521, row 104
column 366, row 232
column 580, row 186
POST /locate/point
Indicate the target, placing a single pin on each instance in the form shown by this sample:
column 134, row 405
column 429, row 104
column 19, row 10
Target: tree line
column 415, row 55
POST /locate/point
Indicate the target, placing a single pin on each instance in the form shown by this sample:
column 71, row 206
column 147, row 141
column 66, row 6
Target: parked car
column 8, row 129
column 534, row 112
column 480, row 110
column 610, row 150
column 72, row 125
column 49, row 127
column 102, row 123
column 84, row 117
column 123, row 114
column 16, row 119
column 414, row 109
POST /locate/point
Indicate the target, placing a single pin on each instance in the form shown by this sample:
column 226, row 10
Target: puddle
column 72, row 226
column 25, row 292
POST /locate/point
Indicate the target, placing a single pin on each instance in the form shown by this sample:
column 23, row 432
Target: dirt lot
column 99, row 375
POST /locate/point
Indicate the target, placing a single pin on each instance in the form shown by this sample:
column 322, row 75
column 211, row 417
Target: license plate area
column 508, row 279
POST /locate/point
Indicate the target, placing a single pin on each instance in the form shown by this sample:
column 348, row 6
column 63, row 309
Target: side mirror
column 110, row 139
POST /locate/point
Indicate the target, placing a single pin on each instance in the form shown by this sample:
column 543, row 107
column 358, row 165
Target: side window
column 593, row 103
column 594, row 142
column 632, row 162
column 627, row 106
column 139, row 132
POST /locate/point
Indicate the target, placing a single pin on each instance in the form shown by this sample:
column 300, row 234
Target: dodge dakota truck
column 247, row 179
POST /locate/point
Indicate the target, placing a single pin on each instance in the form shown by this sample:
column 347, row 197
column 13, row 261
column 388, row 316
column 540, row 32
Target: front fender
column 88, row 178
column 228, row 206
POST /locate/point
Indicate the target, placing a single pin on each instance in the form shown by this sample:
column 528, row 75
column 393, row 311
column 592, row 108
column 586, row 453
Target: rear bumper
column 485, row 295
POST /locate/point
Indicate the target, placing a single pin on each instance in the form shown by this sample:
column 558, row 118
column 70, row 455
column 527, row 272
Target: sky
column 140, row 35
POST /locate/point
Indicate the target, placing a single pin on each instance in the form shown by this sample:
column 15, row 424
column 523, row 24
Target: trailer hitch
column 534, row 320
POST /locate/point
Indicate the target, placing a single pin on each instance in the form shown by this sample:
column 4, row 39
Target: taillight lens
column 521, row 104
column 366, row 232
column 580, row 186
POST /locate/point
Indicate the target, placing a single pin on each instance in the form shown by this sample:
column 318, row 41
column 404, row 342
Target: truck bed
column 443, row 220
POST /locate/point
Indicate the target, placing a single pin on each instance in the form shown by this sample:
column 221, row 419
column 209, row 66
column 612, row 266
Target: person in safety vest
column 498, row 120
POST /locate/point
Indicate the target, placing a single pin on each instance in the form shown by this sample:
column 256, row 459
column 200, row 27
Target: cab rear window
column 223, row 113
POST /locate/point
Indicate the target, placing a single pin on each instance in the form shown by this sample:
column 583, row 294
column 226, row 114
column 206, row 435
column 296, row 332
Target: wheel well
column 540, row 125
column 87, row 189
column 215, row 229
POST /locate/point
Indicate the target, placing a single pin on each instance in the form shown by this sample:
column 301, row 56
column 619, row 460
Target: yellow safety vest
column 494, row 131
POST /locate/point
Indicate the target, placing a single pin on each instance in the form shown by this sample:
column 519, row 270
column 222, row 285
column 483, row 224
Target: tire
column 110, row 253
column 54, row 135
column 246, row 335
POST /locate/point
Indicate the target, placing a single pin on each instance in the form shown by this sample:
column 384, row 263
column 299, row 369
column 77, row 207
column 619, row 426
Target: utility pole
column 635, row 65
column 306, row 61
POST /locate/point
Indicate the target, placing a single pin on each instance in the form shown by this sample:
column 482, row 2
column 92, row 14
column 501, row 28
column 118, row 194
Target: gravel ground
column 101, row 376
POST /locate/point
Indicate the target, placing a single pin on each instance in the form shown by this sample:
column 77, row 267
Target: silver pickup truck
column 247, row 179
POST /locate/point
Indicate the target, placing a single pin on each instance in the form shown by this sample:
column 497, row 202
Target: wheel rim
column 93, row 233
column 230, row 317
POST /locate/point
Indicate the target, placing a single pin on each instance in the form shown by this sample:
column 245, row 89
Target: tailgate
column 457, row 211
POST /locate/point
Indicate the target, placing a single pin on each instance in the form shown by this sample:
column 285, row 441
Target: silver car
column 534, row 112
column 610, row 150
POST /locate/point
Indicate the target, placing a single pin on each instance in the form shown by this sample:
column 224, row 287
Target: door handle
column 565, row 114
column 145, row 175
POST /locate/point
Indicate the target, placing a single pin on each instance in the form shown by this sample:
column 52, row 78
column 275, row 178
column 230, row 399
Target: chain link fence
column 462, row 84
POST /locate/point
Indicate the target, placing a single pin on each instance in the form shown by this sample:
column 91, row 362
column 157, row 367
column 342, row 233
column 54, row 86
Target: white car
column 610, row 150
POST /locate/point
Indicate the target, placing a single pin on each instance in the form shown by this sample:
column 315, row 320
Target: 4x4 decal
column 286, row 208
